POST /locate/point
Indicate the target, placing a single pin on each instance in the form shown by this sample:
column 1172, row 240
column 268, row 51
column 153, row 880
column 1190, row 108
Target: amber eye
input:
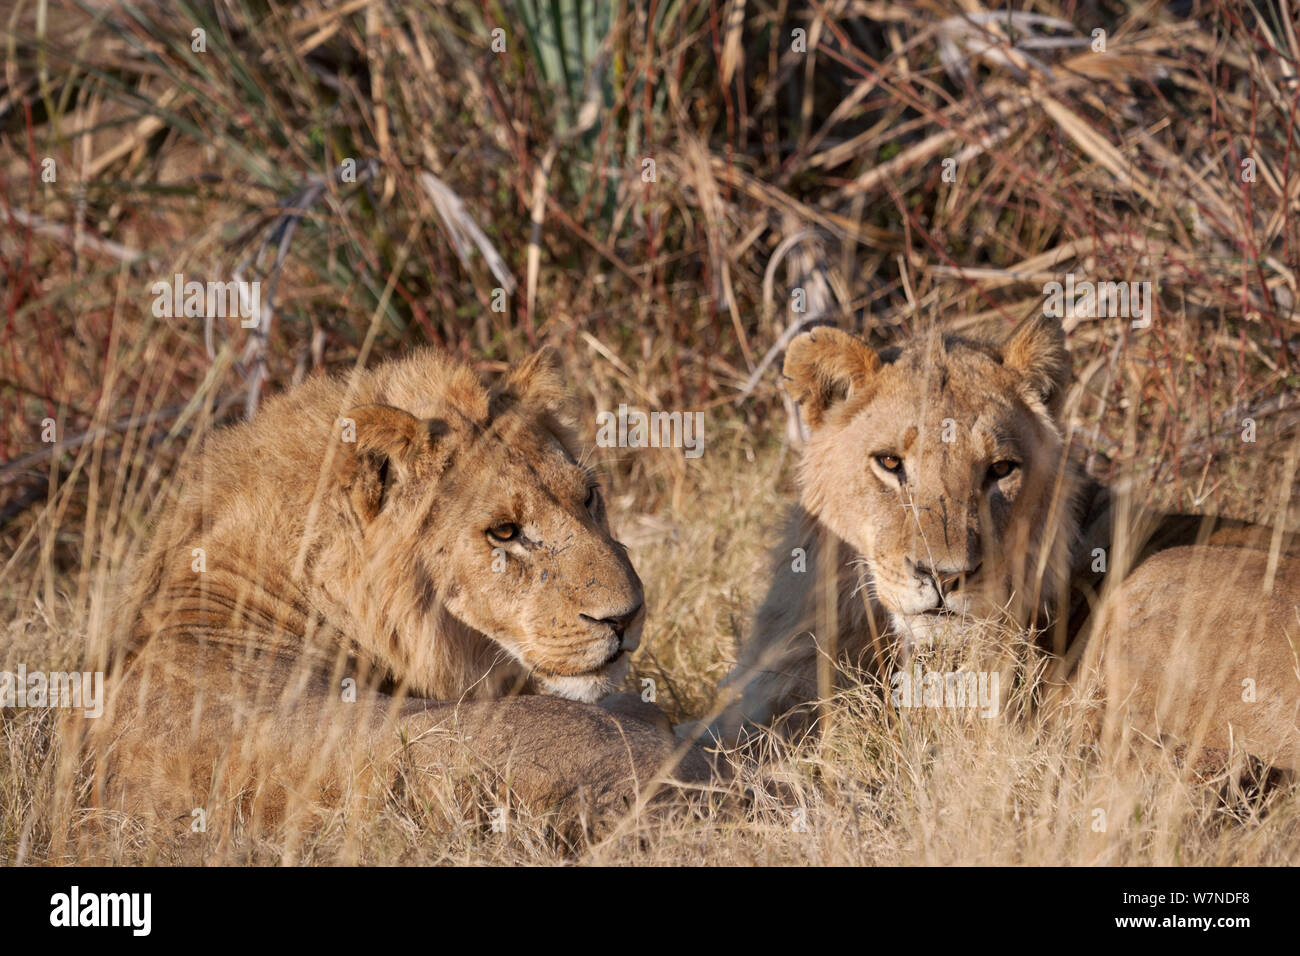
column 891, row 463
column 1000, row 469
column 506, row 531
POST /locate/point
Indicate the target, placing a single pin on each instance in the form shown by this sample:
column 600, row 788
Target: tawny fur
column 1199, row 649
column 949, row 408
column 337, row 577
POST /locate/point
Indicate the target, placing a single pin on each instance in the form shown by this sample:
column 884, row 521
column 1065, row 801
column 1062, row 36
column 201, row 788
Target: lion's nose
column 947, row 579
column 619, row 621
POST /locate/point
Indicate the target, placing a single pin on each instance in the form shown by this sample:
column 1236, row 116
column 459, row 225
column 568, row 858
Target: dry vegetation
column 775, row 170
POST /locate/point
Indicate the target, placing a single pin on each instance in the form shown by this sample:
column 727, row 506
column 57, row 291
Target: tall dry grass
column 522, row 170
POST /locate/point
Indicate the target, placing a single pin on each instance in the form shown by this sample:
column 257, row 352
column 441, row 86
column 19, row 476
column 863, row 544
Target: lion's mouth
column 614, row 658
column 600, row 670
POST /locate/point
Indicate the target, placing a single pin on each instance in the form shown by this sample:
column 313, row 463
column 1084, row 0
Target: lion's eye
column 1000, row 469
column 891, row 463
column 505, row 531
column 593, row 498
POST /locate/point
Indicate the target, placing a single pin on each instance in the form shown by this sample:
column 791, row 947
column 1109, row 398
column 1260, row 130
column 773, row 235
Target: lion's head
column 462, row 545
column 943, row 464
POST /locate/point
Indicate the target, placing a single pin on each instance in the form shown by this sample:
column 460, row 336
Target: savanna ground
column 788, row 168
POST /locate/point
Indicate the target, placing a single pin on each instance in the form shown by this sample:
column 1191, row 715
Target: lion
column 937, row 489
column 1198, row 650
column 346, row 587
column 937, row 485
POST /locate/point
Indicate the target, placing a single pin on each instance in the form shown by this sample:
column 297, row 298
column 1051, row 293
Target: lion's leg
column 777, row 672
column 556, row 756
column 226, row 753
column 631, row 705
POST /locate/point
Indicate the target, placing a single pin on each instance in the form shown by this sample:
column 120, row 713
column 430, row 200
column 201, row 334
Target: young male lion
column 344, row 588
column 935, row 483
column 938, row 487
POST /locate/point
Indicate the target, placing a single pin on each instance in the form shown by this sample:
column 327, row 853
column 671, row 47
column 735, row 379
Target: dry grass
column 776, row 171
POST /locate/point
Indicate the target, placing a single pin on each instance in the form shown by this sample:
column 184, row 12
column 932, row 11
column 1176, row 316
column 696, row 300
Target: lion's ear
column 824, row 367
column 1036, row 349
column 536, row 382
column 380, row 445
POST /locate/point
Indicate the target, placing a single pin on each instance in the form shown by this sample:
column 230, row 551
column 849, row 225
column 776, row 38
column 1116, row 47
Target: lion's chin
column 921, row 631
column 589, row 687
